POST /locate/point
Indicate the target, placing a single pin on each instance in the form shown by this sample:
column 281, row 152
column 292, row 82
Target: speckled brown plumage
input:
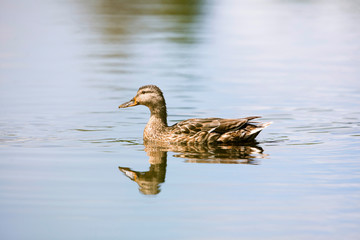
column 191, row 131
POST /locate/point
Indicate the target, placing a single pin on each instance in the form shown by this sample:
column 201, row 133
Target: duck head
column 149, row 95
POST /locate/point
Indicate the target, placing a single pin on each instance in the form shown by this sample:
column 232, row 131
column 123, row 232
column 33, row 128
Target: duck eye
column 142, row 92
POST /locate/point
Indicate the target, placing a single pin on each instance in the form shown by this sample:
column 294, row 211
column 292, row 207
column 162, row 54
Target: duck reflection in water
column 149, row 181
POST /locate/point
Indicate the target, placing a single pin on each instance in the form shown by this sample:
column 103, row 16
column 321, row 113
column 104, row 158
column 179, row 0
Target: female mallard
column 191, row 131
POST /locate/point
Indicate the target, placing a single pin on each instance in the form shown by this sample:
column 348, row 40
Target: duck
column 195, row 131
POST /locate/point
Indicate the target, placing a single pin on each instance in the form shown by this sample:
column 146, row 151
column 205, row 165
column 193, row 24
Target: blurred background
column 65, row 66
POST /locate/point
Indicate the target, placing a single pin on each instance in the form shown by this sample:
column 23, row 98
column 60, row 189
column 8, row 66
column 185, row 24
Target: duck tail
column 264, row 125
column 254, row 132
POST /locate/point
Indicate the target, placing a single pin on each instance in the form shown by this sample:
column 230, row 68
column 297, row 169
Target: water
column 73, row 166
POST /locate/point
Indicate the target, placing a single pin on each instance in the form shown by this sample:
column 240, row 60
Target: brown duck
column 191, row 131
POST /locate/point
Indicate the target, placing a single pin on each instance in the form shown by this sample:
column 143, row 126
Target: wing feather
column 213, row 130
column 216, row 125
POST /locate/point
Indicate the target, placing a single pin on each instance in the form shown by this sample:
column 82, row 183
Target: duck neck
column 158, row 118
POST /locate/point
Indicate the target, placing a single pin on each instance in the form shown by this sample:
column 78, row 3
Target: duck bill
column 130, row 103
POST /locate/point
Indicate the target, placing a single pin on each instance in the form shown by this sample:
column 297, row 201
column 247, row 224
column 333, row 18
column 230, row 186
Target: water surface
column 73, row 166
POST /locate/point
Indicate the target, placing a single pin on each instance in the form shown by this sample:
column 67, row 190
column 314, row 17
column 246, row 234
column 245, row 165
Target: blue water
column 73, row 166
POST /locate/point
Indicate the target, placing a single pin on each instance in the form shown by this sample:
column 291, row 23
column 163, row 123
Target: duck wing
column 210, row 129
column 216, row 125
